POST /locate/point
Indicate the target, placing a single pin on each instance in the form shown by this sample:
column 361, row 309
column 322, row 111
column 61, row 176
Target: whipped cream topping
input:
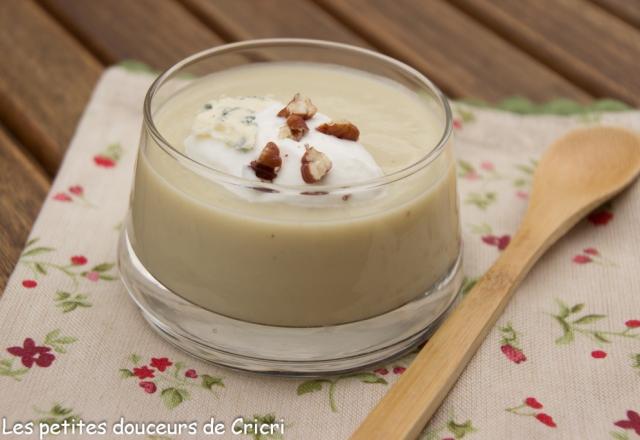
column 231, row 131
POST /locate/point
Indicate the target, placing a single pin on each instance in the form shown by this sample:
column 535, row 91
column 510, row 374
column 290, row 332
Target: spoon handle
column 415, row 397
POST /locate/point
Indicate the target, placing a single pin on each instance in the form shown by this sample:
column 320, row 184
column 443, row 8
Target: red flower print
column 513, row 354
column 148, row 387
column 598, row 354
column 157, row 376
column 500, row 242
column 509, row 344
column 503, row 242
column 457, row 124
column 633, row 323
column 600, row 217
column 29, row 284
column 592, row 255
column 62, row 197
column 582, row 259
column 161, row 363
column 491, row 240
column 78, row 260
column 546, row 419
column 472, row 175
column 109, row 157
column 381, row 371
column 76, row 189
column 143, row 372
column 487, row 166
column 522, row 194
column 104, row 161
column 30, row 353
column 398, row 370
column 532, row 402
column 93, row 276
column 633, row 422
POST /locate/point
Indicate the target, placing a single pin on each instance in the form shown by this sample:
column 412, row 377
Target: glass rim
column 219, row 175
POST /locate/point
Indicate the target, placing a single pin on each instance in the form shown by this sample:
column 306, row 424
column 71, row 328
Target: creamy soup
column 298, row 255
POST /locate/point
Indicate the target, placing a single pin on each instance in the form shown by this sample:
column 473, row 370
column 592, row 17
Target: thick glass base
column 303, row 351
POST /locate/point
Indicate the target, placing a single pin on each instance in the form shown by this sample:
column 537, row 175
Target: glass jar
column 286, row 279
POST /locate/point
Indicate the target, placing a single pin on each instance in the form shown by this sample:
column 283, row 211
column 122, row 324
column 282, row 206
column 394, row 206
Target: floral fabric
column 563, row 362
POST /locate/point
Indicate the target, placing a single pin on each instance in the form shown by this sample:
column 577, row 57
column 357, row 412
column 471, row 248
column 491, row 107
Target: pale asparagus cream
column 295, row 257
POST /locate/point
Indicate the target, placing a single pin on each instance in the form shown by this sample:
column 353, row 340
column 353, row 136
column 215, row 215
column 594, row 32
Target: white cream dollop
column 231, row 132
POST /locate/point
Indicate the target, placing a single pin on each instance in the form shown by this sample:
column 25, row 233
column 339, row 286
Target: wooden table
column 55, row 50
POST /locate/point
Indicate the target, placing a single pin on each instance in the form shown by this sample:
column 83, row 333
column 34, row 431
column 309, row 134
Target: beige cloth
column 84, row 329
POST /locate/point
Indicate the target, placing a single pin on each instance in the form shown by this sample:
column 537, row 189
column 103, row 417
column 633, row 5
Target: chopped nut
column 299, row 105
column 297, row 127
column 346, row 197
column 268, row 163
column 315, row 165
column 340, row 129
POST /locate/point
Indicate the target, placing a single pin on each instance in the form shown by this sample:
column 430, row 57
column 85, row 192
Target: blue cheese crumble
column 231, row 120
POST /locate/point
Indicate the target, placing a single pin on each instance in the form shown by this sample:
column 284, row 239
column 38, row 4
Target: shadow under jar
column 299, row 279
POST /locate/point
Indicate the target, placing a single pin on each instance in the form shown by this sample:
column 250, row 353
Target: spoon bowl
column 587, row 165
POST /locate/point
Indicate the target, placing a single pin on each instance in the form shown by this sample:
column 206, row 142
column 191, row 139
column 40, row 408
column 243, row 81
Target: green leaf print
column 126, row 373
column 450, row 429
column 37, row 251
column 619, row 435
column 261, row 420
column 104, row 267
column 582, row 325
column 6, row 369
column 577, row 308
column 57, row 342
column 468, row 283
column 481, row 200
column 310, row 386
column 313, row 385
column 40, row 268
column 173, row 397
column 588, row 319
column 459, row 430
column 57, row 415
column 567, row 333
column 69, row 302
column 209, row 382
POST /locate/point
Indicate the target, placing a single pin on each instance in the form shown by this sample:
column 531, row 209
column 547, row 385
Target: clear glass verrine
column 296, row 279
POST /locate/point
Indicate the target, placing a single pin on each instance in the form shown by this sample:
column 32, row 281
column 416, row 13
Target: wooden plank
column 158, row 33
column 627, row 10
column 461, row 56
column 247, row 19
column 592, row 48
column 46, row 77
column 23, row 187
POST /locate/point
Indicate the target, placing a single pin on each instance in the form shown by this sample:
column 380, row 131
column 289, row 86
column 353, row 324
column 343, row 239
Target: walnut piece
column 299, row 105
column 340, row 129
column 268, row 163
column 314, row 165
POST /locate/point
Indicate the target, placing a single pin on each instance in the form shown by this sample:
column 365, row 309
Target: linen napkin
column 562, row 363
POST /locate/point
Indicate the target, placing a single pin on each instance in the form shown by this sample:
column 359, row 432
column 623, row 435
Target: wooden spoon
column 575, row 175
